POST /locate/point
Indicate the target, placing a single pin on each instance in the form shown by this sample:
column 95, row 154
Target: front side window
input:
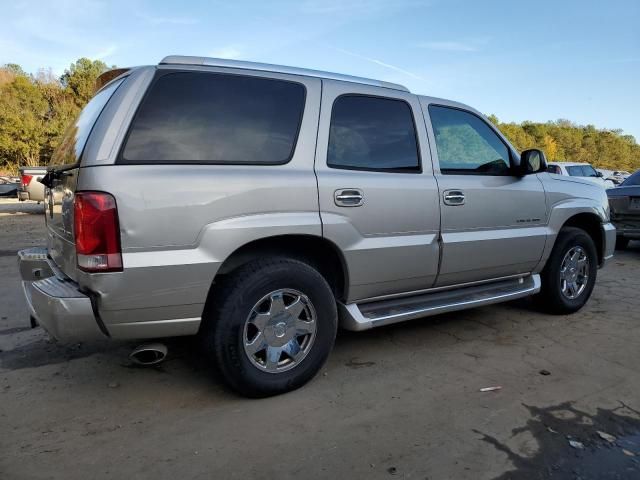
column 216, row 118
column 372, row 133
column 466, row 144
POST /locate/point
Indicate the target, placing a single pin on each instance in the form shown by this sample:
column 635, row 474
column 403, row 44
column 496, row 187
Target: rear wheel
column 570, row 273
column 271, row 327
column 621, row 243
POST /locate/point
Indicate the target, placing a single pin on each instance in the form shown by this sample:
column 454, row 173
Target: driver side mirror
column 532, row 161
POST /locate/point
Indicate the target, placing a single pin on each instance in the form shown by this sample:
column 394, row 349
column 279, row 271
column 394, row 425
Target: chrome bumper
column 55, row 300
column 609, row 242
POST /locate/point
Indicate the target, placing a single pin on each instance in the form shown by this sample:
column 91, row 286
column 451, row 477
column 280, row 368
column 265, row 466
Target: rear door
column 493, row 223
column 378, row 197
column 65, row 167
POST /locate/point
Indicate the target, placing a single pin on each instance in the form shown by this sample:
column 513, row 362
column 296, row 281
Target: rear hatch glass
column 59, row 198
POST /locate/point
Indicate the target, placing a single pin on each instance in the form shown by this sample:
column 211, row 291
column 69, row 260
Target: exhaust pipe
column 149, row 354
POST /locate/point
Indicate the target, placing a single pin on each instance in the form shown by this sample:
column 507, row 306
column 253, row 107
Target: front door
column 493, row 222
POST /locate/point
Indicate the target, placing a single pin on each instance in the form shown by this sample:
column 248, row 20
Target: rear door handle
column 348, row 197
column 453, row 197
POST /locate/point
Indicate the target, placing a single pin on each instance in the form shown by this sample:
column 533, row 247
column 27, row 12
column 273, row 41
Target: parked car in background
column 618, row 176
column 257, row 206
column 30, row 186
column 8, row 186
column 581, row 170
column 624, row 203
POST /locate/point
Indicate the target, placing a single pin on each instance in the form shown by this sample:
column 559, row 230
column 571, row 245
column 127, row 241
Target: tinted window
column 78, row 132
column 575, row 171
column 466, row 144
column 206, row 117
column 554, row 169
column 589, row 171
column 372, row 133
column 632, row 180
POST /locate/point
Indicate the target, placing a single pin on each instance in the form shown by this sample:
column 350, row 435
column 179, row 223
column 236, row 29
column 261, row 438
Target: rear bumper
column 609, row 242
column 54, row 300
column 22, row 196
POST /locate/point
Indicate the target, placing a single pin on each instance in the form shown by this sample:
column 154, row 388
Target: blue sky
column 538, row 61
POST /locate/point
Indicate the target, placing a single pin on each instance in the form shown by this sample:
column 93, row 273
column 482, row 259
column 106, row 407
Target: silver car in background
column 259, row 206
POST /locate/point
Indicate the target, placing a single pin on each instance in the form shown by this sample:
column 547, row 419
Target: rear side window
column 75, row 138
column 216, row 118
column 554, row 169
column 372, row 133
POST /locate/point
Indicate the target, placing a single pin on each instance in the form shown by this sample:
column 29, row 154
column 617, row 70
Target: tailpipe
column 149, row 354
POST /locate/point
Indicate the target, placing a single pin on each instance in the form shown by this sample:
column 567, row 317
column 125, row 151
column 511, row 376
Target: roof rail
column 265, row 67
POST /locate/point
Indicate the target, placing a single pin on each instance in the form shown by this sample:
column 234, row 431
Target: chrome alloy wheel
column 574, row 273
column 280, row 330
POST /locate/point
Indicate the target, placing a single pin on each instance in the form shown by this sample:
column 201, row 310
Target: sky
column 538, row 61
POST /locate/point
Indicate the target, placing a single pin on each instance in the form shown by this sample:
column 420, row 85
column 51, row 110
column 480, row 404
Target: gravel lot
column 401, row 401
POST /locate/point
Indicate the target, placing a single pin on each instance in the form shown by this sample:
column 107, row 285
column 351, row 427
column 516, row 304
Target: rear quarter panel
column 178, row 223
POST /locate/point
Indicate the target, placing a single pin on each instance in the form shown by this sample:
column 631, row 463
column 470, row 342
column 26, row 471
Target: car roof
column 266, row 67
column 569, row 164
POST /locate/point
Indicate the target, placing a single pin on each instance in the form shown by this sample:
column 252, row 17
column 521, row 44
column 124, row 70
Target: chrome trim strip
column 352, row 318
column 266, row 67
column 441, row 289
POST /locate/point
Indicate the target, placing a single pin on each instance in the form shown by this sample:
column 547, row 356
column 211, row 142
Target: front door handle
column 453, row 197
column 348, row 197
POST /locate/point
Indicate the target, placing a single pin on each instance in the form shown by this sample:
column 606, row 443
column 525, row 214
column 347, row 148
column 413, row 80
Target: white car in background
column 581, row 170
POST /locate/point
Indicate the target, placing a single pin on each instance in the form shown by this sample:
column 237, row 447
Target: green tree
column 79, row 80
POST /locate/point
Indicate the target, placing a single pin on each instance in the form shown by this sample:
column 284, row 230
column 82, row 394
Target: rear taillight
column 97, row 232
column 26, row 180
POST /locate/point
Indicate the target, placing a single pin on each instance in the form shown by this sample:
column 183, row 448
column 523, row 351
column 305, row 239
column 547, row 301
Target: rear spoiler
column 109, row 75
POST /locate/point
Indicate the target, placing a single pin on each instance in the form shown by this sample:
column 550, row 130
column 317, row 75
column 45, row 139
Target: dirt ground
column 401, row 401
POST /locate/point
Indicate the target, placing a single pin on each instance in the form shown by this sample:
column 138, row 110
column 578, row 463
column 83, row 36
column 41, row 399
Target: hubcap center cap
column 280, row 329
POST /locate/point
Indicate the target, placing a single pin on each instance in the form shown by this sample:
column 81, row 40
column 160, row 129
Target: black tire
column 224, row 325
column 551, row 297
column 621, row 243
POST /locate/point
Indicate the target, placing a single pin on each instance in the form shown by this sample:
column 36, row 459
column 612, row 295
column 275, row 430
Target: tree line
column 35, row 110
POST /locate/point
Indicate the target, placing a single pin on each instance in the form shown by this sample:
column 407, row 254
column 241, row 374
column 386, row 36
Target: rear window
column 216, row 118
column 632, row 180
column 75, row 138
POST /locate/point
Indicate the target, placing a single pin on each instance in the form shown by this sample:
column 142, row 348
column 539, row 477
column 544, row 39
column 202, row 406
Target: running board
column 368, row 315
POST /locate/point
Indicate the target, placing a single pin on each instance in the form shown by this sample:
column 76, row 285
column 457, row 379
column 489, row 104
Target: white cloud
column 381, row 63
column 230, row 52
column 104, row 53
column 154, row 20
column 449, row 46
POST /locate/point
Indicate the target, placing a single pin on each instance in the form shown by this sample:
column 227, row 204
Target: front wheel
column 271, row 327
column 570, row 273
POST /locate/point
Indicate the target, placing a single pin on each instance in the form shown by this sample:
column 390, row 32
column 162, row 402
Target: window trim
column 417, row 170
column 121, row 160
column 453, row 171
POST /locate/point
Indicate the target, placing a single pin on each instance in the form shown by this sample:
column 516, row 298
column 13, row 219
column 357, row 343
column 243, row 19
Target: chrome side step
column 385, row 312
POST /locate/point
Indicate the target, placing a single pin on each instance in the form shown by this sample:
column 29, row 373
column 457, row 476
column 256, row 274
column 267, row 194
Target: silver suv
column 260, row 206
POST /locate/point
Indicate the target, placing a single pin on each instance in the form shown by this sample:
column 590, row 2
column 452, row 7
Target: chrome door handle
column 454, row 197
column 348, row 197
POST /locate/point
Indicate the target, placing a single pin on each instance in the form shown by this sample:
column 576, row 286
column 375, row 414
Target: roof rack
column 265, row 67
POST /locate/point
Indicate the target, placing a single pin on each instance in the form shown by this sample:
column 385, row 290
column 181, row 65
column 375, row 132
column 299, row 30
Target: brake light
column 97, row 232
column 26, row 180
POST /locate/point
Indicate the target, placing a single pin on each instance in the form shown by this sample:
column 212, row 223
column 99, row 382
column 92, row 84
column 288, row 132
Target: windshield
column 582, row 171
column 78, row 132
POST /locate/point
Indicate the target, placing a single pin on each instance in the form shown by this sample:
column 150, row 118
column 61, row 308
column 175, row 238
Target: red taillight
column 97, row 232
column 26, row 180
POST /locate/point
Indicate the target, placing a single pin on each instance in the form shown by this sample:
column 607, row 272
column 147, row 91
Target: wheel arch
column 590, row 223
column 319, row 252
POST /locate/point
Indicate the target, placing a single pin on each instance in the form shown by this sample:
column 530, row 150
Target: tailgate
column 59, row 218
column 62, row 182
